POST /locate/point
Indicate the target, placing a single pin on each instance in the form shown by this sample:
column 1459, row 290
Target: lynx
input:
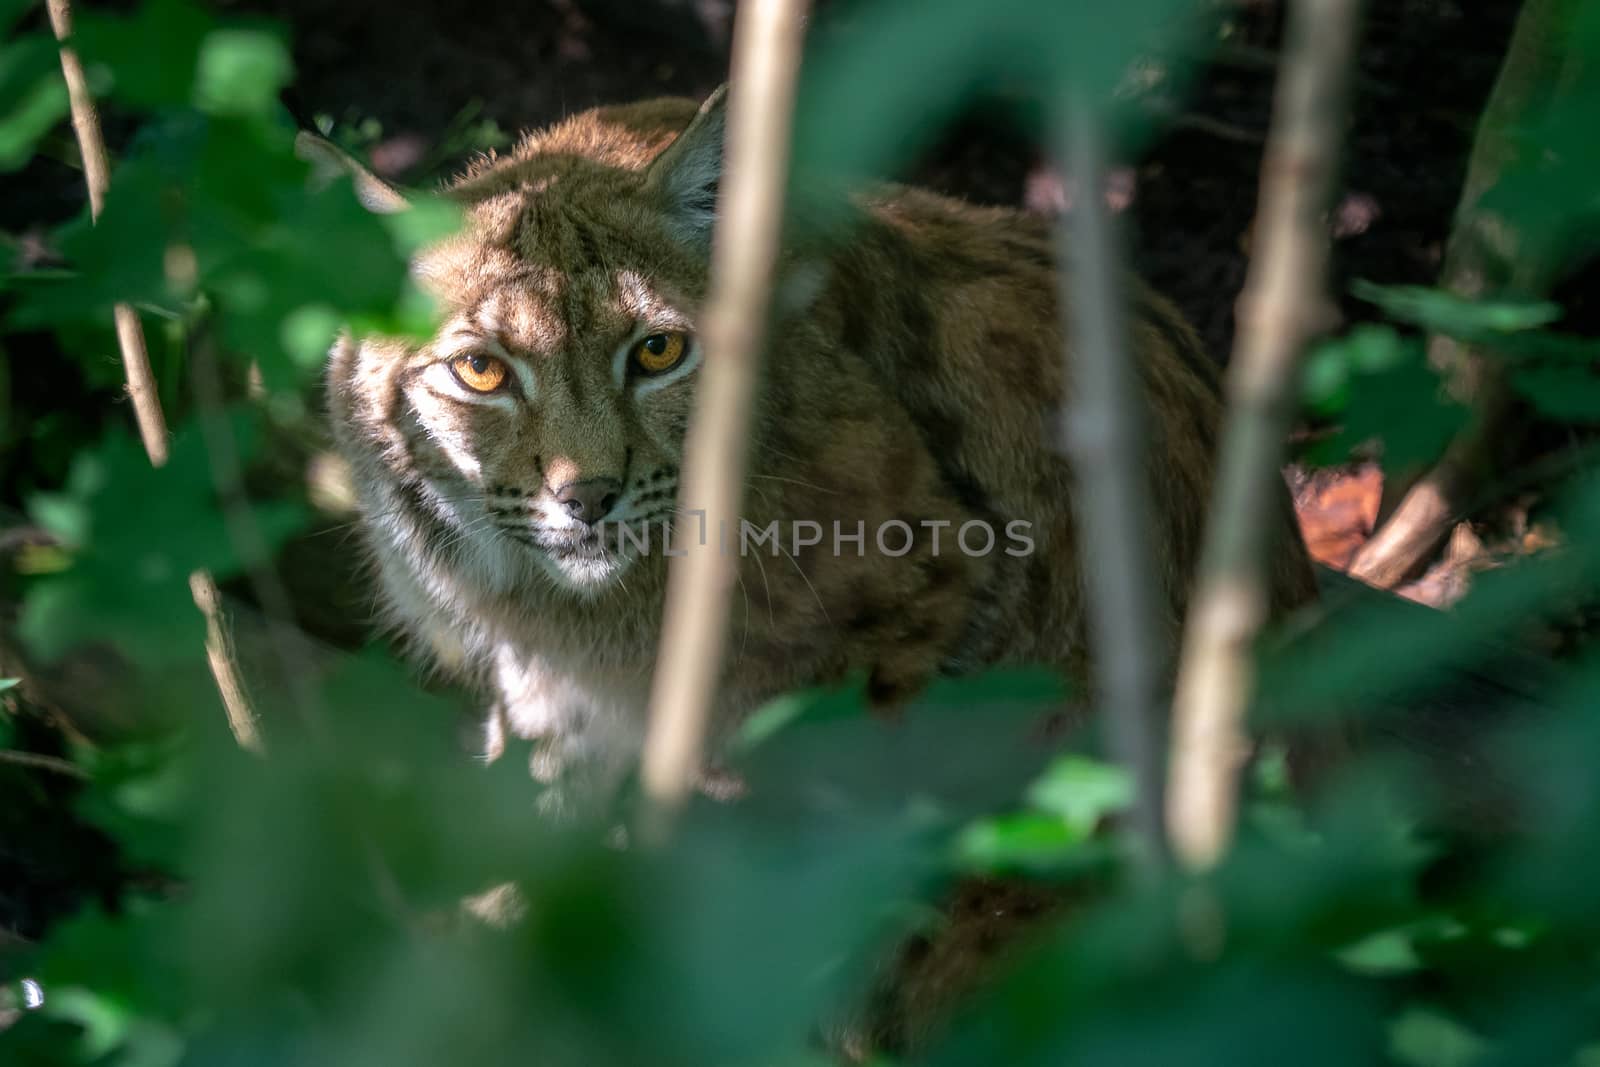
column 519, row 470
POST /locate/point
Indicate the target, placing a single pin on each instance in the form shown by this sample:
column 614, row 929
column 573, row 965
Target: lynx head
column 548, row 412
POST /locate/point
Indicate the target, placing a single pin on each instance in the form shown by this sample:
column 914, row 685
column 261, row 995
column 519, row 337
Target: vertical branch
column 1486, row 254
column 141, row 382
column 97, row 176
column 1103, row 435
column 766, row 56
column 1278, row 311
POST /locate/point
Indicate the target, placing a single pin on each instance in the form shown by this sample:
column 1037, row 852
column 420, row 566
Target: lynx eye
column 479, row 372
column 660, row 352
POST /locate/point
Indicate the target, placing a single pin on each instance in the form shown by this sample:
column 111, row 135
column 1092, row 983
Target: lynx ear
column 329, row 162
column 687, row 174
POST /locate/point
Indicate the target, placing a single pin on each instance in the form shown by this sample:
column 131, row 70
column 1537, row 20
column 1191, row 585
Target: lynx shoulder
column 906, row 514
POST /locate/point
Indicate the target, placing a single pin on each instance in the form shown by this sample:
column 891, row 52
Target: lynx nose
column 589, row 500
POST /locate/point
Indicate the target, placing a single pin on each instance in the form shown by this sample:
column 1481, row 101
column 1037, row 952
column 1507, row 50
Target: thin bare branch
column 1278, row 312
column 766, row 58
column 1402, row 544
column 141, row 382
column 97, row 176
column 227, row 475
column 54, row 764
column 1103, row 435
column 224, row 665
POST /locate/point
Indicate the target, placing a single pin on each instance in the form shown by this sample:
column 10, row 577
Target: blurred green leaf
column 1562, row 393
column 1376, row 653
column 1081, row 792
column 12, row 10
column 240, row 71
column 33, row 97
column 1325, row 379
column 1422, row 1037
column 1547, row 195
column 1438, row 311
column 308, row 332
column 219, row 207
column 128, row 584
column 1382, row 389
column 147, row 58
column 1385, row 952
column 104, row 1024
column 867, row 110
column 1027, row 841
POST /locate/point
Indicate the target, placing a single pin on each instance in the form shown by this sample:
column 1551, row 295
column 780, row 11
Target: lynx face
column 545, row 419
column 555, row 418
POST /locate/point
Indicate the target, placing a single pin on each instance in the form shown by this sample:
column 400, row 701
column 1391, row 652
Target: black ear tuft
column 687, row 175
column 329, row 162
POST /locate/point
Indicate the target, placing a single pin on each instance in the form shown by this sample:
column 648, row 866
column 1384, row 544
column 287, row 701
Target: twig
column 227, row 476
column 45, row 763
column 97, row 176
column 1278, row 312
column 1103, row 435
column 1432, row 506
column 766, row 56
column 219, row 654
column 141, row 382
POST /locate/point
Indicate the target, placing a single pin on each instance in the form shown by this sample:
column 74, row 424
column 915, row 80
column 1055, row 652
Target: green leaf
column 1564, row 393
column 1546, row 196
column 219, row 207
column 120, row 259
column 1325, row 379
column 147, row 59
column 1425, row 1037
column 1385, row 391
column 308, row 332
column 104, row 1023
column 1081, row 791
column 65, row 516
column 240, row 72
column 33, row 98
column 1438, row 311
column 1027, row 841
column 865, row 109
column 12, row 10
column 128, row 583
column 1371, row 654
column 1010, row 687
column 426, row 220
column 1382, row 953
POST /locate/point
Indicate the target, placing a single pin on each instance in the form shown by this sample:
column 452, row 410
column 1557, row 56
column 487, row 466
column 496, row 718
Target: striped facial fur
column 540, row 419
column 540, row 429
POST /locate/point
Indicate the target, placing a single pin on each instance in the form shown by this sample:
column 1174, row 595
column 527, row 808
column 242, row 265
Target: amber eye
column 660, row 352
column 478, row 372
